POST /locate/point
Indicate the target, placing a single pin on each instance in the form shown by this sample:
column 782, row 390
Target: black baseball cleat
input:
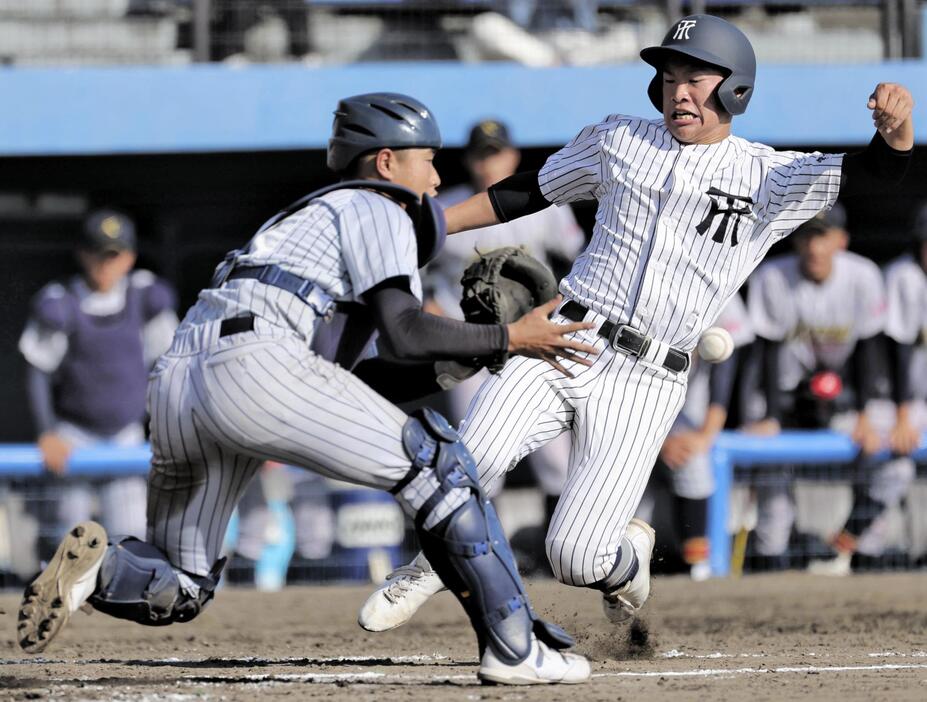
column 60, row 590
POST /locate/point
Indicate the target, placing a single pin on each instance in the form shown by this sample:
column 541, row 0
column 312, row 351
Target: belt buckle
column 621, row 332
column 315, row 297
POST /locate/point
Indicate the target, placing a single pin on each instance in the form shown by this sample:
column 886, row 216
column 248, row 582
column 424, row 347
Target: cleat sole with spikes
column 49, row 600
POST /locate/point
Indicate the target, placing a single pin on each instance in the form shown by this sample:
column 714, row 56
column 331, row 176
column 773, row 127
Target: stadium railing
column 746, row 451
column 731, row 449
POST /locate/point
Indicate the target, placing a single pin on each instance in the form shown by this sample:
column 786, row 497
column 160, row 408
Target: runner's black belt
column 627, row 339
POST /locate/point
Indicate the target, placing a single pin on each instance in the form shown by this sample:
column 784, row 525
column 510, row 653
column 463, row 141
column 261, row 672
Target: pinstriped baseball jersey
column 220, row 405
column 819, row 323
column 346, row 242
column 679, row 227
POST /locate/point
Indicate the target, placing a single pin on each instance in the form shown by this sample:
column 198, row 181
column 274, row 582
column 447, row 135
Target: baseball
column 716, row 345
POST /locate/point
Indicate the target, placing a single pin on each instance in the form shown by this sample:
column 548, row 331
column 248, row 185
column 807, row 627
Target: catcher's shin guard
column 136, row 582
column 463, row 539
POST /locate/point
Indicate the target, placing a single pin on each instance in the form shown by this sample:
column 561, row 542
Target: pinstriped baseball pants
column 619, row 411
column 219, row 408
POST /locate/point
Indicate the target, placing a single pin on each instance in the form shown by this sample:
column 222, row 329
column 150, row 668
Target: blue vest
column 101, row 383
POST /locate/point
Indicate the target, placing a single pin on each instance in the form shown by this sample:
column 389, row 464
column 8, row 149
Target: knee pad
column 465, row 544
column 138, row 583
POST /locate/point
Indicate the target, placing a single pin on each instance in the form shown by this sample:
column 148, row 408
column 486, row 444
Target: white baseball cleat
column 626, row 601
column 59, row 590
column 834, row 567
column 543, row 666
column 406, row 589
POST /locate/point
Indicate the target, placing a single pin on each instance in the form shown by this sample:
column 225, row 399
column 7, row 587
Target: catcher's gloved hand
column 507, row 286
column 502, row 286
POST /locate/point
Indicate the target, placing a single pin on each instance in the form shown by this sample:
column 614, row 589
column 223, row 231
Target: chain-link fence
column 811, row 499
column 532, row 32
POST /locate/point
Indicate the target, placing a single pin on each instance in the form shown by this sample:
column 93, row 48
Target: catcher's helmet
column 714, row 41
column 377, row 121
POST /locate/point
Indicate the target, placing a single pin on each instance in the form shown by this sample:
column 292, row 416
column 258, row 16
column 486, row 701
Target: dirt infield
column 759, row 638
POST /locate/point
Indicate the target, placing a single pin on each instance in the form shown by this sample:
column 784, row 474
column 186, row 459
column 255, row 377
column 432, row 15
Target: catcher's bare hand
column 536, row 336
column 892, row 105
column 55, row 452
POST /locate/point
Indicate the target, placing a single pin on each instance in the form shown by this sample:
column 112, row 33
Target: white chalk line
column 469, row 677
column 369, row 677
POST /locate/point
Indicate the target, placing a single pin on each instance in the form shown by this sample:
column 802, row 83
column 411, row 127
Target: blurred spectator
column 551, row 235
column 261, row 30
column 905, row 328
column 817, row 315
column 88, row 343
column 553, row 14
column 550, row 33
column 684, row 462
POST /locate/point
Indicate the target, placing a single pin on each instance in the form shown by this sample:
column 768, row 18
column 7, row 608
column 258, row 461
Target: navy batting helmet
column 714, row 41
column 378, row 121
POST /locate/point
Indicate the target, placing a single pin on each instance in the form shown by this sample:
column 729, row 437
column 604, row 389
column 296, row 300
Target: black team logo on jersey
column 731, row 212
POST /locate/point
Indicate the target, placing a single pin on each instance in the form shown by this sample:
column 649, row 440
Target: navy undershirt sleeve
column 769, row 351
column 877, row 161
column 865, row 361
column 41, row 404
column 721, row 381
column 410, row 334
column 517, row 196
column 901, row 356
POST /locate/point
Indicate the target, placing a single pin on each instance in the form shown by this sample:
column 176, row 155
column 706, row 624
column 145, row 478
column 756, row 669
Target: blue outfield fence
column 730, row 449
column 211, row 107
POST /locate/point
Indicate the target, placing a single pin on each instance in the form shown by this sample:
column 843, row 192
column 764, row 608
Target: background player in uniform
column 240, row 384
column 906, row 329
column 685, row 212
column 684, row 458
column 89, row 343
column 818, row 314
column 905, row 326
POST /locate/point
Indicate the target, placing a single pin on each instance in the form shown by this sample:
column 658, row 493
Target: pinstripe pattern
column 218, row 413
column 677, row 231
column 645, row 264
column 619, row 411
column 346, row 242
column 219, row 407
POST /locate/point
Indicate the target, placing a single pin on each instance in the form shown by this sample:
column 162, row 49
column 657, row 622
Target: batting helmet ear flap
column 734, row 93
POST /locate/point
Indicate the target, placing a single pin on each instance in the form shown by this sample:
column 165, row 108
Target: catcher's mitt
column 502, row 286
